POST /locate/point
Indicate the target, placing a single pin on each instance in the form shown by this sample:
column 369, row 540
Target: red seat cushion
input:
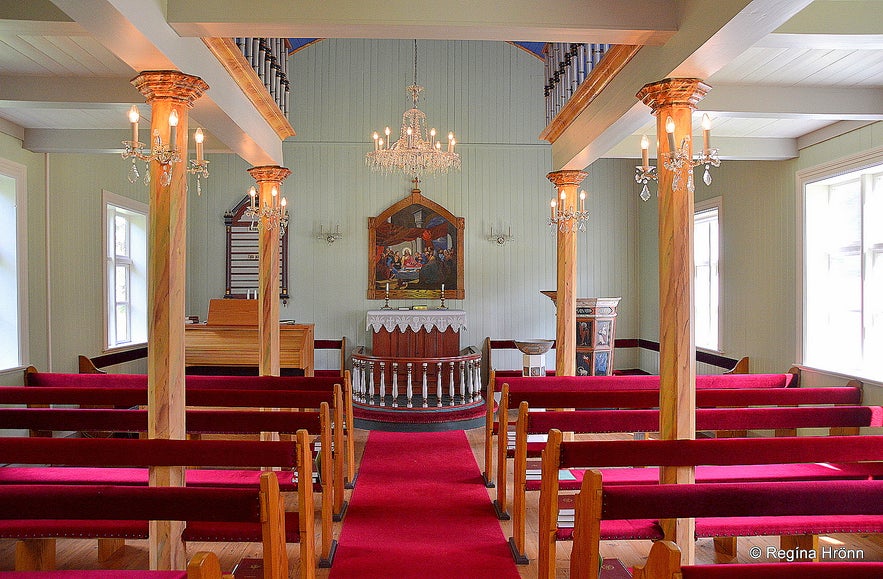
column 818, row 570
column 623, row 529
column 95, row 574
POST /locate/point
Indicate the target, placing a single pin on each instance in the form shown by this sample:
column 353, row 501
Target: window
column 843, row 272
column 706, row 275
column 125, row 230
column 13, row 266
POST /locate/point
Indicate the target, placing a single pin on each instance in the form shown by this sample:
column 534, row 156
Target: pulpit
column 415, row 333
column 595, row 334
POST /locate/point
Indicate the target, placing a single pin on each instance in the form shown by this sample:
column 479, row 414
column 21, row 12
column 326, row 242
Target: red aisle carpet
column 419, row 510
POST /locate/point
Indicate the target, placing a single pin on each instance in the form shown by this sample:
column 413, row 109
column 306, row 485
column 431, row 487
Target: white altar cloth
column 415, row 320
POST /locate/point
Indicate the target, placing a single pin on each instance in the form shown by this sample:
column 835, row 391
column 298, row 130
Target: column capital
column 673, row 92
column 269, row 173
column 170, row 85
column 566, row 177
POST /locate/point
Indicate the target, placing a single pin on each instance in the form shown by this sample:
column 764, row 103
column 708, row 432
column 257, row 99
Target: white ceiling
column 65, row 65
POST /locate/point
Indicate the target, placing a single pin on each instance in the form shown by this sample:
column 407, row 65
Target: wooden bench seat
column 232, row 384
column 719, row 465
column 540, row 391
column 203, row 565
column 639, row 415
column 664, row 562
column 783, row 514
column 37, row 513
column 198, row 422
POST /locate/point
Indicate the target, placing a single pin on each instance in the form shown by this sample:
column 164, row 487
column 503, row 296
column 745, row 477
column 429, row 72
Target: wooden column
column 166, row 91
column 566, row 182
column 269, row 179
column 676, row 99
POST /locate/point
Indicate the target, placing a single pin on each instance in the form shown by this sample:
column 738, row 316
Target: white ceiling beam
column 829, row 132
column 72, row 92
column 829, row 103
column 741, row 148
column 711, row 34
column 619, row 22
column 137, row 33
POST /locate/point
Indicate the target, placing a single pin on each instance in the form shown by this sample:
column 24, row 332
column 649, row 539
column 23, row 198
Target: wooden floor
column 83, row 554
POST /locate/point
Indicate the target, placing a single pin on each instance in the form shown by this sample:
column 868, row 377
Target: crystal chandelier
column 678, row 158
column 413, row 154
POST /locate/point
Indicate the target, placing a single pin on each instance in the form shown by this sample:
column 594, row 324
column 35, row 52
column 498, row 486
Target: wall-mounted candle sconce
column 329, row 236
column 501, row 238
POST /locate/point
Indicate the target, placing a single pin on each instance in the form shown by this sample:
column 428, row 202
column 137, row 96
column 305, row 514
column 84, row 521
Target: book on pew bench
column 534, row 471
column 250, row 569
column 530, row 438
column 566, row 510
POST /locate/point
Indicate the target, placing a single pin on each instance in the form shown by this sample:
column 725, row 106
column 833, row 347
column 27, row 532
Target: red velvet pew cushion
column 820, row 570
column 624, row 529
column 788, row 525
column 94, row 574
column 72, row 529
column 238, row 532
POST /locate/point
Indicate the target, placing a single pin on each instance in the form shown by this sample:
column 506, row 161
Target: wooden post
column 269, row 179
column 676, row 99
column 566, row 182
column 166, row 91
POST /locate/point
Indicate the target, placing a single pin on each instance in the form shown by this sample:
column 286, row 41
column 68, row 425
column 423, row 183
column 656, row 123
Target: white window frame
column 804, row 177
column 715, row 203
column 19, row 173
column 137, row 284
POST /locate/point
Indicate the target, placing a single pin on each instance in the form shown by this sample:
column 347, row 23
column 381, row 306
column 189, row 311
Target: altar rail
column 390, row 381
column 567, row 65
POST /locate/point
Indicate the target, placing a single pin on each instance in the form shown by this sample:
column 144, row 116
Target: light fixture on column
column 273, row 215
column 565, row 218
column 164, row 154
column 678, row 158
column 413, row 154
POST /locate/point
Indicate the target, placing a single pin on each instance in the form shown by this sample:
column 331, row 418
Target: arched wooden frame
column 242, row 256
column 403, row 224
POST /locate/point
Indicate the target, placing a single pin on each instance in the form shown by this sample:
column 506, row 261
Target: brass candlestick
column 386, row 299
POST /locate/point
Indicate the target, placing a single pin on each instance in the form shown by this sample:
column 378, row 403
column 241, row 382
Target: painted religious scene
column 417, row 251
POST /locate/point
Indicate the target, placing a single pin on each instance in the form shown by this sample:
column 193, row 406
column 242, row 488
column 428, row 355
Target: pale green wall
column 759, row 252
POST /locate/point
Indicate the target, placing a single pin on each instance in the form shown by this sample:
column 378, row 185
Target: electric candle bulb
column 380, row 143
column 253, row 194
column 438, row 145
column 173, row 129
column 582, row 200
column 453, row 143
column 552, row 209
column 645, row 153
column 450, row 142
column 387, row 131
column 670, row 131
column 199, row 137
column 706, row 132
column 376, row 137
column 134, row 115
column 284, row 202
column 431, row 135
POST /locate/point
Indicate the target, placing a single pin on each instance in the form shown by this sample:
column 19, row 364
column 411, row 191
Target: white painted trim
column 110, row 198
column 19, row 172
column 804, row 177
column 705, row 205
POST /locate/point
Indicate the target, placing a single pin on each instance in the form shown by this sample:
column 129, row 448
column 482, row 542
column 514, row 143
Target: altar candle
column 443, row 290
column 387, row 289
column 134, row 115
column 670, row 131
column 173, row 129
column 645, row 153
column 706, row 132
column 199, row 137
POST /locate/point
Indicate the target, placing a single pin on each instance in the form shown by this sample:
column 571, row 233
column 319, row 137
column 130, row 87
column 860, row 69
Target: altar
column 416, row 333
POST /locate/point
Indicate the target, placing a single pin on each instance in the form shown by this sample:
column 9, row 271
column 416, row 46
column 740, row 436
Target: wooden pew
column 198, row 422
column 33, row 377
column 516, row 389
column 652, row 502
column 591, row 422
column 332, row 345
column 664, row 562
column 648, row 399
column 33, row 512
column 542, row 392
column 203, row 565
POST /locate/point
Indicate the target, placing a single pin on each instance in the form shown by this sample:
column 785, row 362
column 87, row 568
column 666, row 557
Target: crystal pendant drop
column 645, row 193
column 147, row 174
column 133, row 174
column 707, row 176
column 198, row 187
